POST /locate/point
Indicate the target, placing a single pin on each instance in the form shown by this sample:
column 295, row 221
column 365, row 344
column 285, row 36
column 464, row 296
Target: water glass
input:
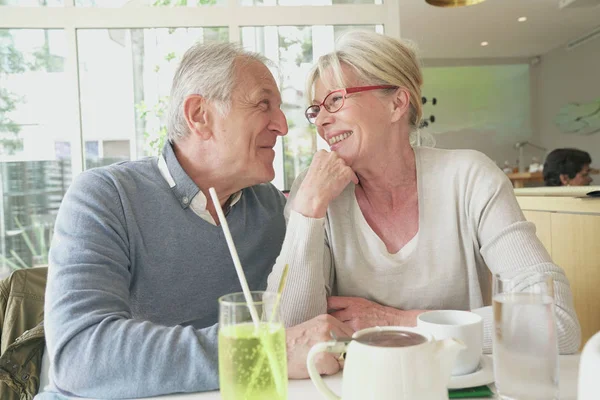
column 252, row 356
column 525, row 337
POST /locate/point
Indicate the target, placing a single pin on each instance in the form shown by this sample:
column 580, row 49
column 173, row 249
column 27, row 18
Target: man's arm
column 96, row 348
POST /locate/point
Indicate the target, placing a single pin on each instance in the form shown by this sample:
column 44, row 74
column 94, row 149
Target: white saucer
column 484, row 375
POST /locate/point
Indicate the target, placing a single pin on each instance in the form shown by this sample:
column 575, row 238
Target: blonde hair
column 377, row 60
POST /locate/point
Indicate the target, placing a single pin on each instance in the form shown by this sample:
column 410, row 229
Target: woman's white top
column 469, row 222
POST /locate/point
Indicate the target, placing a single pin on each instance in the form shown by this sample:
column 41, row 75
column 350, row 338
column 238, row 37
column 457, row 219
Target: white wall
column 481, row 107
column 563, row 77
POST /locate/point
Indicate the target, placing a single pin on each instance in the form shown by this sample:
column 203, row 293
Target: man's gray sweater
column 131, row 301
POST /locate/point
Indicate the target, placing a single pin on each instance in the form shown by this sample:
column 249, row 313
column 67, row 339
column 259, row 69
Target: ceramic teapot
column 386, row 363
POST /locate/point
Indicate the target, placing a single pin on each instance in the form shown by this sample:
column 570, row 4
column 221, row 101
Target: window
column 147, row 3
column 35, row 151
column 32, row 3
column 304, row 2
column 126, row 99
column 93, row 90
column 118, row 149
column 92, row 151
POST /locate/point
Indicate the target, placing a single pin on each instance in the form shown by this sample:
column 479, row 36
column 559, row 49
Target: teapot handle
column 329, row 347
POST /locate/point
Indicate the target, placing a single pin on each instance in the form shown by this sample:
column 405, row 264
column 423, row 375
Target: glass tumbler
column 525, row 345
column 252, row 356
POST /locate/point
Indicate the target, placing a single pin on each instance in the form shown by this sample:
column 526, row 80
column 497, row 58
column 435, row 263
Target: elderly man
column 137, row 262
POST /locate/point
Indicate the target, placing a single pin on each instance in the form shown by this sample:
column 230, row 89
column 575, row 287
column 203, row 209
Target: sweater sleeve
column 310, row 273
column 508, row 244
column 97, row 349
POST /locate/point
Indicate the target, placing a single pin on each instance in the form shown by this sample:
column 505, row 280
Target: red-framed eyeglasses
column 334, row 101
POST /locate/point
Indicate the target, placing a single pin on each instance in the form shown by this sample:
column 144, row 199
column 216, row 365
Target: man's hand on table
column 302, row 337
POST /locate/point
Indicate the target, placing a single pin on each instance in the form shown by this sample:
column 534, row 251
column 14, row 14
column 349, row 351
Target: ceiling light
column 522, row 19
column 453, row 3
column 484, row 43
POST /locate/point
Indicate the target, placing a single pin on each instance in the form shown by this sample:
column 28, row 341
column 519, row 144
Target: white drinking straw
column 235, row 257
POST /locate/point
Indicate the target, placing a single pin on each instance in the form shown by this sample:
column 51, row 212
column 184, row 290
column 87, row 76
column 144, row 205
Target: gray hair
column 207, row 69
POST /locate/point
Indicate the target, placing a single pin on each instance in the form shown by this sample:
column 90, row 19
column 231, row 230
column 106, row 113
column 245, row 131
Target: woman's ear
column 197, row 116
column 564, row 179
column 401, row 104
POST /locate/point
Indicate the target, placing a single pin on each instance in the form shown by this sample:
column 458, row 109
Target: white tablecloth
column 304, row 389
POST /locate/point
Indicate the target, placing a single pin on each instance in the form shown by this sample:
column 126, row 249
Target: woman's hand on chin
column 327, row 176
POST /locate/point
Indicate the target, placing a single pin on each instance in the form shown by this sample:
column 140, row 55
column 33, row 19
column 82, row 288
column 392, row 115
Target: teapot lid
column 391, row 338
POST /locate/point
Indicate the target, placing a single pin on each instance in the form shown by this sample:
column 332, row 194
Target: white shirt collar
column 199, row 201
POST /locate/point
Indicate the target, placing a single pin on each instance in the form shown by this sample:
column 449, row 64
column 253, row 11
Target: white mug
column 465, row 326
column 377, row 367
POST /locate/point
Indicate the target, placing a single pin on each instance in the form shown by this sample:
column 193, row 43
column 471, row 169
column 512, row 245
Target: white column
column 73, row 122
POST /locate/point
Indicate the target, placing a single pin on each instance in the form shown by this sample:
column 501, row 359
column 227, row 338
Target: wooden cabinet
column 569, row 228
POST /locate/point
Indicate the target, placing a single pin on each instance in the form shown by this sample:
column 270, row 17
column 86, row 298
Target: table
column 519, row 179
column 304, row 389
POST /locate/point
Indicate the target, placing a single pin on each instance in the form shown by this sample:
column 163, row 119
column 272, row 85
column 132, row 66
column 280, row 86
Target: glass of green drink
column 252, row 357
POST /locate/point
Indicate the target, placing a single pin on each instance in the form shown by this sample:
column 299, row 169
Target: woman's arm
column 508, row 244
column 310, row 271
column 305, row 248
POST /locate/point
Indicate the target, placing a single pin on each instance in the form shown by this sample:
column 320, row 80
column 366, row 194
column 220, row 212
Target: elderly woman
column 394, row 229
column 567, row 167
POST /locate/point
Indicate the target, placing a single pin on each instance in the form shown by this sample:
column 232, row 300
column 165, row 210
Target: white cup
column 462, row 325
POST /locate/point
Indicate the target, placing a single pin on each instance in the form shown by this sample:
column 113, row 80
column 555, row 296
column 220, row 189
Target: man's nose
column 279, row 123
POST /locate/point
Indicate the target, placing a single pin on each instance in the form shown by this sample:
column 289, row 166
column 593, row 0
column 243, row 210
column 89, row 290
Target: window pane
column 124, row 101
column 148, row 3
column 32, row 3
column 305, row 2
column 295, row 49
column 35, row 143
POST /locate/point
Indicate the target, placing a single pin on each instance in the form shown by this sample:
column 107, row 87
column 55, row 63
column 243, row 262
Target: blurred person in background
column 567, row 167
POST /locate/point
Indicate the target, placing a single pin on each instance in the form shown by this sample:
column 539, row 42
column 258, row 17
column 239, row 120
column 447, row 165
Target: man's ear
column 401, row 104
column 564, row 179
column 197, row 116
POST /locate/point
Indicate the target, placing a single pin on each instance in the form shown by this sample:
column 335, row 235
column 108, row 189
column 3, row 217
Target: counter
column 568, row 224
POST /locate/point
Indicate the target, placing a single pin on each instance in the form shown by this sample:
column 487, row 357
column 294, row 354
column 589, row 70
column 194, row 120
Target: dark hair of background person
column 564, row 162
